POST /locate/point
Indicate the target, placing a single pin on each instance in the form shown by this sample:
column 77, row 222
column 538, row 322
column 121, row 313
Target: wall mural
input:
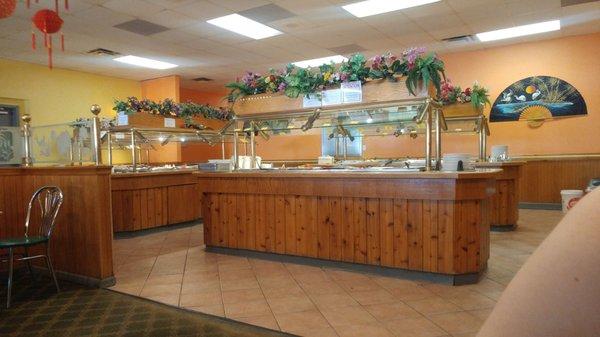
column 535, row 99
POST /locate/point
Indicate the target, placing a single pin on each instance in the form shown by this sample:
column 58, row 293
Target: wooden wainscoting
column 542, row 179
column 81, row 243
column 148, row 200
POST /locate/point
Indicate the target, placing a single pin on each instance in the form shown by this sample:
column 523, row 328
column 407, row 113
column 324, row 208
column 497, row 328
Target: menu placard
column 351, row 92
column 332, row 97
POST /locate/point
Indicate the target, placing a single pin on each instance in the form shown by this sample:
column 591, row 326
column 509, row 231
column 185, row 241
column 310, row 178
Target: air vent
column 141, row 27
column 103, row 52
column 460, row 38
column 347, row 49
column 267, row 13
column 566, row 3
column 202, row 79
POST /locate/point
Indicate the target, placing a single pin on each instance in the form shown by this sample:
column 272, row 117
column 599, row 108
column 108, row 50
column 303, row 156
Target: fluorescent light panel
column 244, row 26
column 534, row 28
column 320, row 61
column 374, row 7
column 144, row 62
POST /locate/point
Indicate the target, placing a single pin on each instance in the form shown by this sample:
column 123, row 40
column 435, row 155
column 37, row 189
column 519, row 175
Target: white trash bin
column 569, row 198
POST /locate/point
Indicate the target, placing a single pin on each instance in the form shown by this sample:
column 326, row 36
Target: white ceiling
column 201, row 49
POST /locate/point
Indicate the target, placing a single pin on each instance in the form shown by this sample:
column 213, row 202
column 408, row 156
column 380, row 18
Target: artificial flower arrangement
column 477, row 95
column 419, row 68
column 169, row 108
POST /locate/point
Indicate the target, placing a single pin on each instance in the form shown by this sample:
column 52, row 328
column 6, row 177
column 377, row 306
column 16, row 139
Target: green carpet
column 77, row 311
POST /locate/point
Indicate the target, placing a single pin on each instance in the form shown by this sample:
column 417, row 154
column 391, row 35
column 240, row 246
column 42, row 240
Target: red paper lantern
column 7, row 8
column 48, row 22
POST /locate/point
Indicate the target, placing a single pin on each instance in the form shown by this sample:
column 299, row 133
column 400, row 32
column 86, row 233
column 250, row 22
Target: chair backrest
column 49, row 198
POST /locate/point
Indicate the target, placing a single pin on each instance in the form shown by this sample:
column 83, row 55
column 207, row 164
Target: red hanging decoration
column 7, row 8
column 48, row 22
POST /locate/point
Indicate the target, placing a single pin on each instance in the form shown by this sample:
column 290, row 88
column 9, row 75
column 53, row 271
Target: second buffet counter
column 145, row 200
column 433, row 222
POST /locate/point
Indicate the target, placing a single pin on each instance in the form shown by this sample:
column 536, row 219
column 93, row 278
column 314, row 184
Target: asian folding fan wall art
column 536, row 99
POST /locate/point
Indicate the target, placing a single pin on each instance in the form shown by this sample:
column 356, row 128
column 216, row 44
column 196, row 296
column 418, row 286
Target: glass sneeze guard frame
column 136, row 138
column 420, row 113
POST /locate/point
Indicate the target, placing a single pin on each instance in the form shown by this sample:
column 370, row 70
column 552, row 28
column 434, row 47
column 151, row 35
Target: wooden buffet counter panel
column 427, row 222
column 148, row 200
column 505, row 202
column 81, row 243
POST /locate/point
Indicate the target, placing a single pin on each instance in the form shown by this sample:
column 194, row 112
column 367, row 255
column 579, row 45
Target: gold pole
column 26, row 131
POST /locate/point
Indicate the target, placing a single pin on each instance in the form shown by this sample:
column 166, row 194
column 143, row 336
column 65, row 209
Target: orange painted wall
column 195, row 153
column 203, row 97
column 158, row 89
column 573, row 59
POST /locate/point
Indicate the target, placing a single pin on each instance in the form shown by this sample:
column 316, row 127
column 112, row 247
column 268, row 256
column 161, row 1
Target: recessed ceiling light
column 374, row 7
column 144, row 62
column 320, row 61
column 244, row 26
column 534, row 28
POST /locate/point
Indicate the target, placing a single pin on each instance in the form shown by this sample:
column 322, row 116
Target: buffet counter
column 144, row 200
column 435, row 223
column 505, row 203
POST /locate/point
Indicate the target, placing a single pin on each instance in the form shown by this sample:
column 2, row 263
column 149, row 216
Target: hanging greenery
column 169, row 108
column 417, row 67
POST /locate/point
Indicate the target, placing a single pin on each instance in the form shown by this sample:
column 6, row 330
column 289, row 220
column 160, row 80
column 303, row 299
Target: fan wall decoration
column 536, row 99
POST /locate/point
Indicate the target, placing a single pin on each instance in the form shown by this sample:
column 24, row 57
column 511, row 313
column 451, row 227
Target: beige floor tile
column 200, row 285
column 201, row 298
column 411, row 292
column 237, row 284
column 161, row 290
column 353, row 315
column 324, row 287
column 433, row 305
column 242, row 295
column 391, row 311
column 265, row 321
column 373, row 296
column 216, row 310
column 320, row 332
column 247, row 309
column 472, row 301
column 292, row 290
column 482, row 314
column 301, row 321
column 290, row 303
column 414, row 327
column 164, row 279
column 277, row 282
column 457, row 322
column 363, row 331
column 331, row 301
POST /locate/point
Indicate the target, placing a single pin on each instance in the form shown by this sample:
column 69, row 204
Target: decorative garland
column 169, row 108
column 417, row 67
column 477, row 95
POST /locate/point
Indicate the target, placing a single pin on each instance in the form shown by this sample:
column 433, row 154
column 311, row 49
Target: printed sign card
column 351, row 92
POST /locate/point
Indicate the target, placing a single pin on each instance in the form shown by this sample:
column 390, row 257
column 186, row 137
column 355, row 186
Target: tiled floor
column 172, row 267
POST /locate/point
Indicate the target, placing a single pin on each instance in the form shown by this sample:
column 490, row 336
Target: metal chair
column 49, row 199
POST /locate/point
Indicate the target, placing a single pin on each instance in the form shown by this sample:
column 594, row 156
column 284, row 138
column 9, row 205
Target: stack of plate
column 450, row 161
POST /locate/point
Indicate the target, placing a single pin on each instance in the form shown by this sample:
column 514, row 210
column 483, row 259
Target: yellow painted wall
column 58, row 95
column 61, row 96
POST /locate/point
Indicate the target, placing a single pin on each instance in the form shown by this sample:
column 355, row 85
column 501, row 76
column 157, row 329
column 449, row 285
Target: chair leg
column 29, row 264
column 10, row 277
column 49, row 263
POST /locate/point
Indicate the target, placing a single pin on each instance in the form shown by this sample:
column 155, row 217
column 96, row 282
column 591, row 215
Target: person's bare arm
column 557, row 291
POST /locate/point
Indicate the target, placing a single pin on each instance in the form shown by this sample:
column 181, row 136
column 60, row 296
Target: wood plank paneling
column 542, row 180
column 441, row 236
column 151, row 200
column 373, row 232
column 81, row 242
